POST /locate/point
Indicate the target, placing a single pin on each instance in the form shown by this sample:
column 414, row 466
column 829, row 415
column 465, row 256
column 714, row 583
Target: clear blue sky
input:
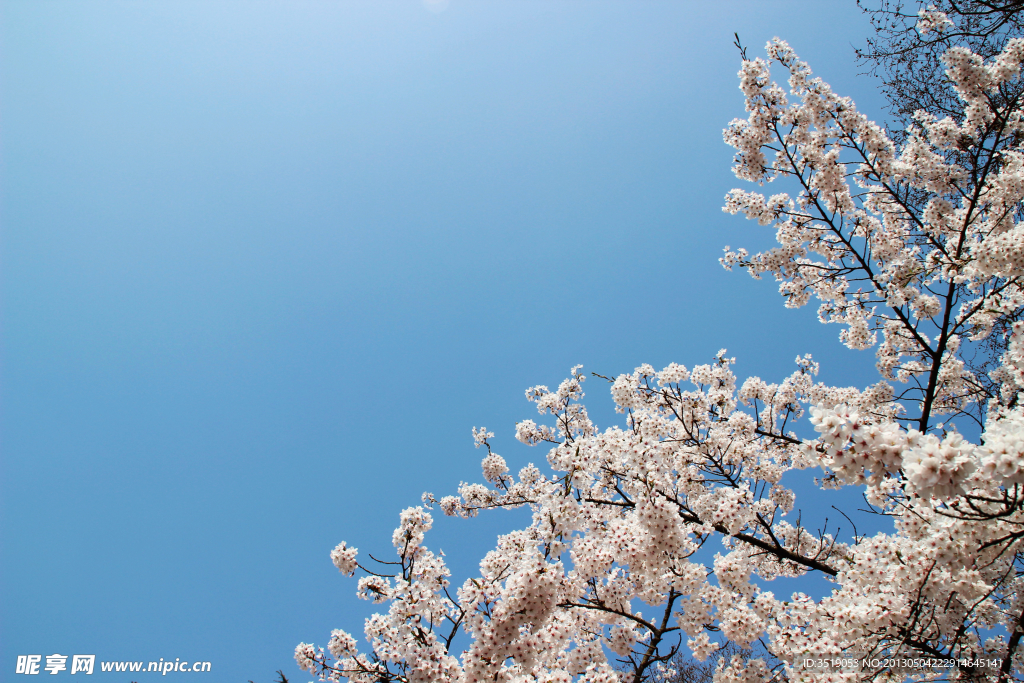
column 265, row 264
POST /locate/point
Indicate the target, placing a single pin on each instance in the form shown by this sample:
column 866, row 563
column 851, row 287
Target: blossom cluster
column 912, row 251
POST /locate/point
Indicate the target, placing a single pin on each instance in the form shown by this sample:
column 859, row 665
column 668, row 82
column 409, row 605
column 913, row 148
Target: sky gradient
column 266, row 264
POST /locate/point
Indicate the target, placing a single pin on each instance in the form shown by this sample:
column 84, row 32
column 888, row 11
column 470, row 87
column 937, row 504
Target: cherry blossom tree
column 915, row 248
column 906, row 52
column 682, row 668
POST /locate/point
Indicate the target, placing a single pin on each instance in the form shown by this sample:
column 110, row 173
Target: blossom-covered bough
column 916, row 250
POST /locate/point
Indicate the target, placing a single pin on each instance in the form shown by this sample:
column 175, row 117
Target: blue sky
column 265, row 264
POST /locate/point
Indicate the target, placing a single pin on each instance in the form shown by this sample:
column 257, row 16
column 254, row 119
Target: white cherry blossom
column 915, row 250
